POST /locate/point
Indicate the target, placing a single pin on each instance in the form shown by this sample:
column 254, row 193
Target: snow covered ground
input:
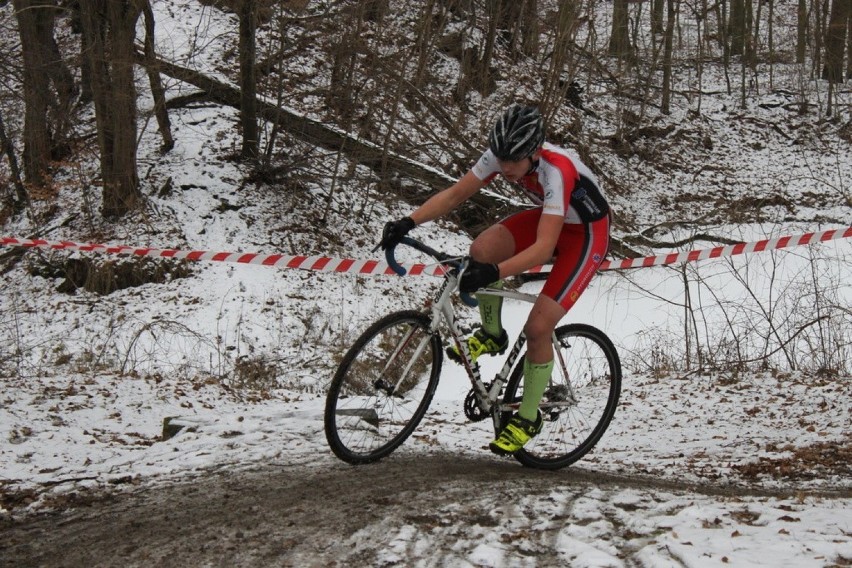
column 97, row 375
column 726, row 468
column 692, row 455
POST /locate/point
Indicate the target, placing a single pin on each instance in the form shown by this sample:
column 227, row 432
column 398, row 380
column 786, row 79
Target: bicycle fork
column 392, row 389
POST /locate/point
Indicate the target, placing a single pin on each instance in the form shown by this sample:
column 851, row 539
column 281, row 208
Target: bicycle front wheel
column 382, row 388
column 579, row 402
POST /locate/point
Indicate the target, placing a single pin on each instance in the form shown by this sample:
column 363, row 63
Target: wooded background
column 62, row 60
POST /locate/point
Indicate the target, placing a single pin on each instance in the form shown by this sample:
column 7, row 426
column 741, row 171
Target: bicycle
column 386, row 380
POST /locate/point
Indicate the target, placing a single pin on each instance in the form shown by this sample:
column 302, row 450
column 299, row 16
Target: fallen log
column 480, row 211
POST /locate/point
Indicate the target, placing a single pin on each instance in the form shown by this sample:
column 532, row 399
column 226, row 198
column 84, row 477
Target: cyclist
column 570, row 225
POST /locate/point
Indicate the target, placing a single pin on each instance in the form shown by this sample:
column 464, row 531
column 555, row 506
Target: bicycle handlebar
column 417, row 245
column 454, row 262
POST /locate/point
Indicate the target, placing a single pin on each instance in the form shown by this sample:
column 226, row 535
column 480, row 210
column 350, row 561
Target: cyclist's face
column 513, row 171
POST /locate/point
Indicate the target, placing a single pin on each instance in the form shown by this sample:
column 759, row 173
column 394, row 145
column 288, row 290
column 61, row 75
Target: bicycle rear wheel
column 382, row 388
column 579, row 402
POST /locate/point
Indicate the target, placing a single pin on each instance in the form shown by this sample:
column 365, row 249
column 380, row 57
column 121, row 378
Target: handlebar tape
column 398, row 269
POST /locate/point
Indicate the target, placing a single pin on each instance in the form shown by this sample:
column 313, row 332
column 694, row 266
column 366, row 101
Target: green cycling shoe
column 481, row 343
column 516, row 434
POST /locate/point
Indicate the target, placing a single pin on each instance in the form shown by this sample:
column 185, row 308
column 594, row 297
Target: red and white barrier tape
column 730, row 250
column 328, row 264
column 319, row 263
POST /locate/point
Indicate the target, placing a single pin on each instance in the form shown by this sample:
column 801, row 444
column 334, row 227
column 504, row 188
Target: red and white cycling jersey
column 559, row 182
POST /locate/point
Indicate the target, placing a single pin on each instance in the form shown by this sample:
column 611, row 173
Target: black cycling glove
column 478, row 275
column 394, row 231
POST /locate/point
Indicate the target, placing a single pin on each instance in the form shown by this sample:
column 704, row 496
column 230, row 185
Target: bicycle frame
column 386, row 380
column 443, row 311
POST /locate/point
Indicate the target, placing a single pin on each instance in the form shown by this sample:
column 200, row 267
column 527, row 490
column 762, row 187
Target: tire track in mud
column 434, row 508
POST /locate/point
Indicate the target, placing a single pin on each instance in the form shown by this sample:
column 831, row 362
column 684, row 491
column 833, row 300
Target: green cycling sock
column 490, row 308
column 536, row 378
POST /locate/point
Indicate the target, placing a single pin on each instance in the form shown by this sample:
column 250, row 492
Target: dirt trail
column 300, row 515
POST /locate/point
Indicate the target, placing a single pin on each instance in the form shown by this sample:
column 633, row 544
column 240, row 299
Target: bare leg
column 494, row 244
column 538, row 365
column 541, row 322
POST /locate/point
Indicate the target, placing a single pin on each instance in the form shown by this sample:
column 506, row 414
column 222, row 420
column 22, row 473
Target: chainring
column 471, row 407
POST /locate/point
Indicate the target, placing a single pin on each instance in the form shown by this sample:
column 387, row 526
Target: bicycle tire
column 575, row 415
column 382, row 387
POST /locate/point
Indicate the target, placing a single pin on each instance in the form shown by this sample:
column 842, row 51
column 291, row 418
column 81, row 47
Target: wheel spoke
column 580, row 400
column 382, row 387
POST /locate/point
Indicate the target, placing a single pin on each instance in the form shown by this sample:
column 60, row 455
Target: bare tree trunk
column 312, row 131
column 743, row 36
column 35, row 23
column 73, row 6
column 110, row 29
column 157, row 90
column 801, row 31
column 736, row 27
column 121, row 191
column 619, row 39
column 375, row 10
column 750, row 35
column 771, row 40
column 554, row 90
column 494, row 18
column 665, row 105
column 37, row 17
column 468, row 72
column 424, row 40
column 530, row 28
column 702, row 26
column 835, row 41
column 59, row 118
column 849, row 45
column 279, row 95
column 94, row 20
column 20, row 199
column 248, row 78
column 657, row 11
column 345, row 58
column 517, row 22
column 820, row 25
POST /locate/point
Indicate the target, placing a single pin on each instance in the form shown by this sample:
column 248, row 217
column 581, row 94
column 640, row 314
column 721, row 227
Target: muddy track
column 300, row 515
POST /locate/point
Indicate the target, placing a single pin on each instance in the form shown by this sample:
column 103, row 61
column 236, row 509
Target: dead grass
column 819, row 460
